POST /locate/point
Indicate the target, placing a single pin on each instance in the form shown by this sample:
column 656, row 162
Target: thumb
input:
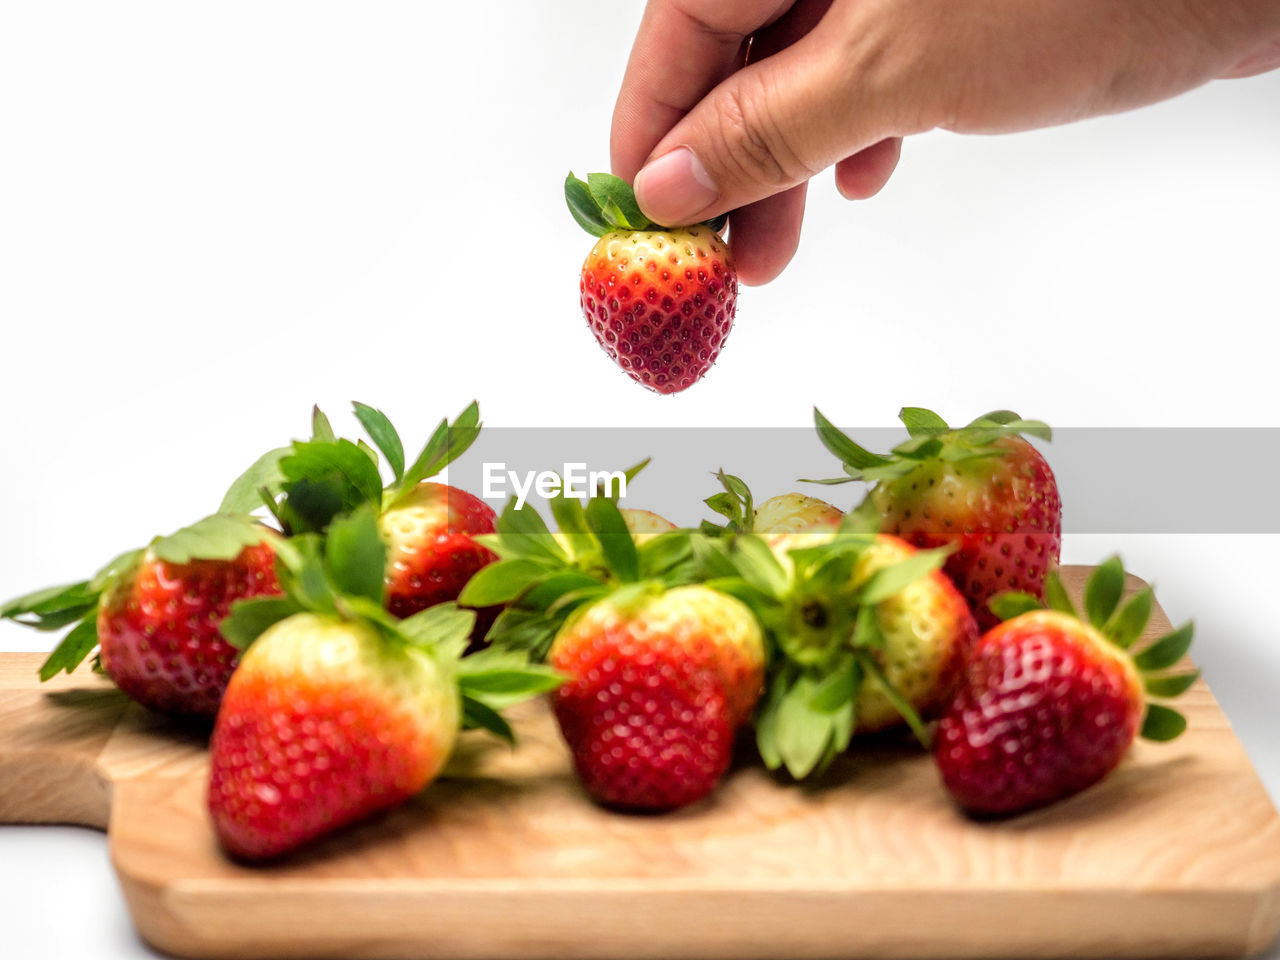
column 765, row 129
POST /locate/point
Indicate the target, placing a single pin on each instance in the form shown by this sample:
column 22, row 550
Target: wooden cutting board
column 1176, row 854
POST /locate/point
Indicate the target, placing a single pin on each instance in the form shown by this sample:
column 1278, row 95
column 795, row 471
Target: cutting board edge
column 727, row 925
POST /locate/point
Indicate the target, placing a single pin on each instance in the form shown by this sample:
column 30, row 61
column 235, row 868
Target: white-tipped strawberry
column 340, row 710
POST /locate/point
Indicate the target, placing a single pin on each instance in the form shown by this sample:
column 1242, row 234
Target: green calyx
column 1122, row 624
column 542, row 578
column 216, row 537
column 605, row 204
column 821, row 622
column 930, row 439
column 309, row 483
column 735, row 503
column 340, row 575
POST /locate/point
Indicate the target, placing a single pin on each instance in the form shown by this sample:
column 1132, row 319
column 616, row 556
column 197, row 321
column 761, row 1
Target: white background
column 212, row 216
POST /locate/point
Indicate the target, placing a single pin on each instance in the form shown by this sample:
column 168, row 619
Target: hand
column 734, row 106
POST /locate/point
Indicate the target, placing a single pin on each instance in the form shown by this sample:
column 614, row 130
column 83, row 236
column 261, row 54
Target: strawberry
column 658, row 685
column 431, row 551
column 339, row 710
column 794, row 512
column 429, row 527
column 645, row 523
column 785, row 513
column 1051, row 701
column 662, row 673
column 154, row 613
column 981, row 490
column 868, row 633
column 926, row 630
column 659, row 300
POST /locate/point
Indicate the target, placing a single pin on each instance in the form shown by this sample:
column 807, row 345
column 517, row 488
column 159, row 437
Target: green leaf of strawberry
column 321, row 428
column 384, row 435
column 75, row 646
column 216, row 537
column 616, row 545
column 249, row 619
column 357, row 556
column 1103, row 591
column 1160, row 724
column 605, row 203
column 245, row 494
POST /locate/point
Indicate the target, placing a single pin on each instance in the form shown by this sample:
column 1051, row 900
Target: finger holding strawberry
column 1053, row 700
column 153, row 614
column 340, row 710
column 981, row 490
column 659, row 300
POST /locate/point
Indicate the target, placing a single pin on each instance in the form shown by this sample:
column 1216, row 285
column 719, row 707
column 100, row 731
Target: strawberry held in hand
column 339, row 710
column 659, row 300
column 981, row 490
column 1052, row 702
column 154, row 613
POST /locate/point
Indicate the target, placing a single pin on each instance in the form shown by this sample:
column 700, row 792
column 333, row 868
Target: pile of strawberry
column 812, row 626
column 312, row 620
column 342, row 628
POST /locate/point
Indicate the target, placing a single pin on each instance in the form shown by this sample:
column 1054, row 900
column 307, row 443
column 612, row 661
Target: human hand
column 735, row 106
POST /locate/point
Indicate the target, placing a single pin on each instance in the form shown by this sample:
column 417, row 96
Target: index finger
column 683, row 49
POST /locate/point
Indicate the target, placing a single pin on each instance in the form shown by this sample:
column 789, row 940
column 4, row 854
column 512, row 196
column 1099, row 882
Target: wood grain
column 1176, row 854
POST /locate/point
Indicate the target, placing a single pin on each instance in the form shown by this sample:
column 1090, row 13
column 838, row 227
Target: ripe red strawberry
column 1051, row 702
column 658, row 685
column 661, row 673
column 154, row 614
column 982, row 490
column 429, row 527
column 659, row 300
column 431, row 553
column 338, row 710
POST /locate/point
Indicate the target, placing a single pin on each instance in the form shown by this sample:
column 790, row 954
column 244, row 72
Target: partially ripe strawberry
column 429, row 527
column 658, row 684
column 793, row 512
column 431, row 550
column 924, row 628
column 646, row 522
column 339, row 710
column 661, row 673
column 324, row 723
column 1052, row 702
column 928, row 632
column 659, row 300
column 153, row 614
column 981, row 490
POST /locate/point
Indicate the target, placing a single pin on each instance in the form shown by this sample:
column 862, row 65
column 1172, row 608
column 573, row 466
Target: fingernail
column 675, row 188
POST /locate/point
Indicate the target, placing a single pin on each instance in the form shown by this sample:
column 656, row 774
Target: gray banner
column 1112, row 480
